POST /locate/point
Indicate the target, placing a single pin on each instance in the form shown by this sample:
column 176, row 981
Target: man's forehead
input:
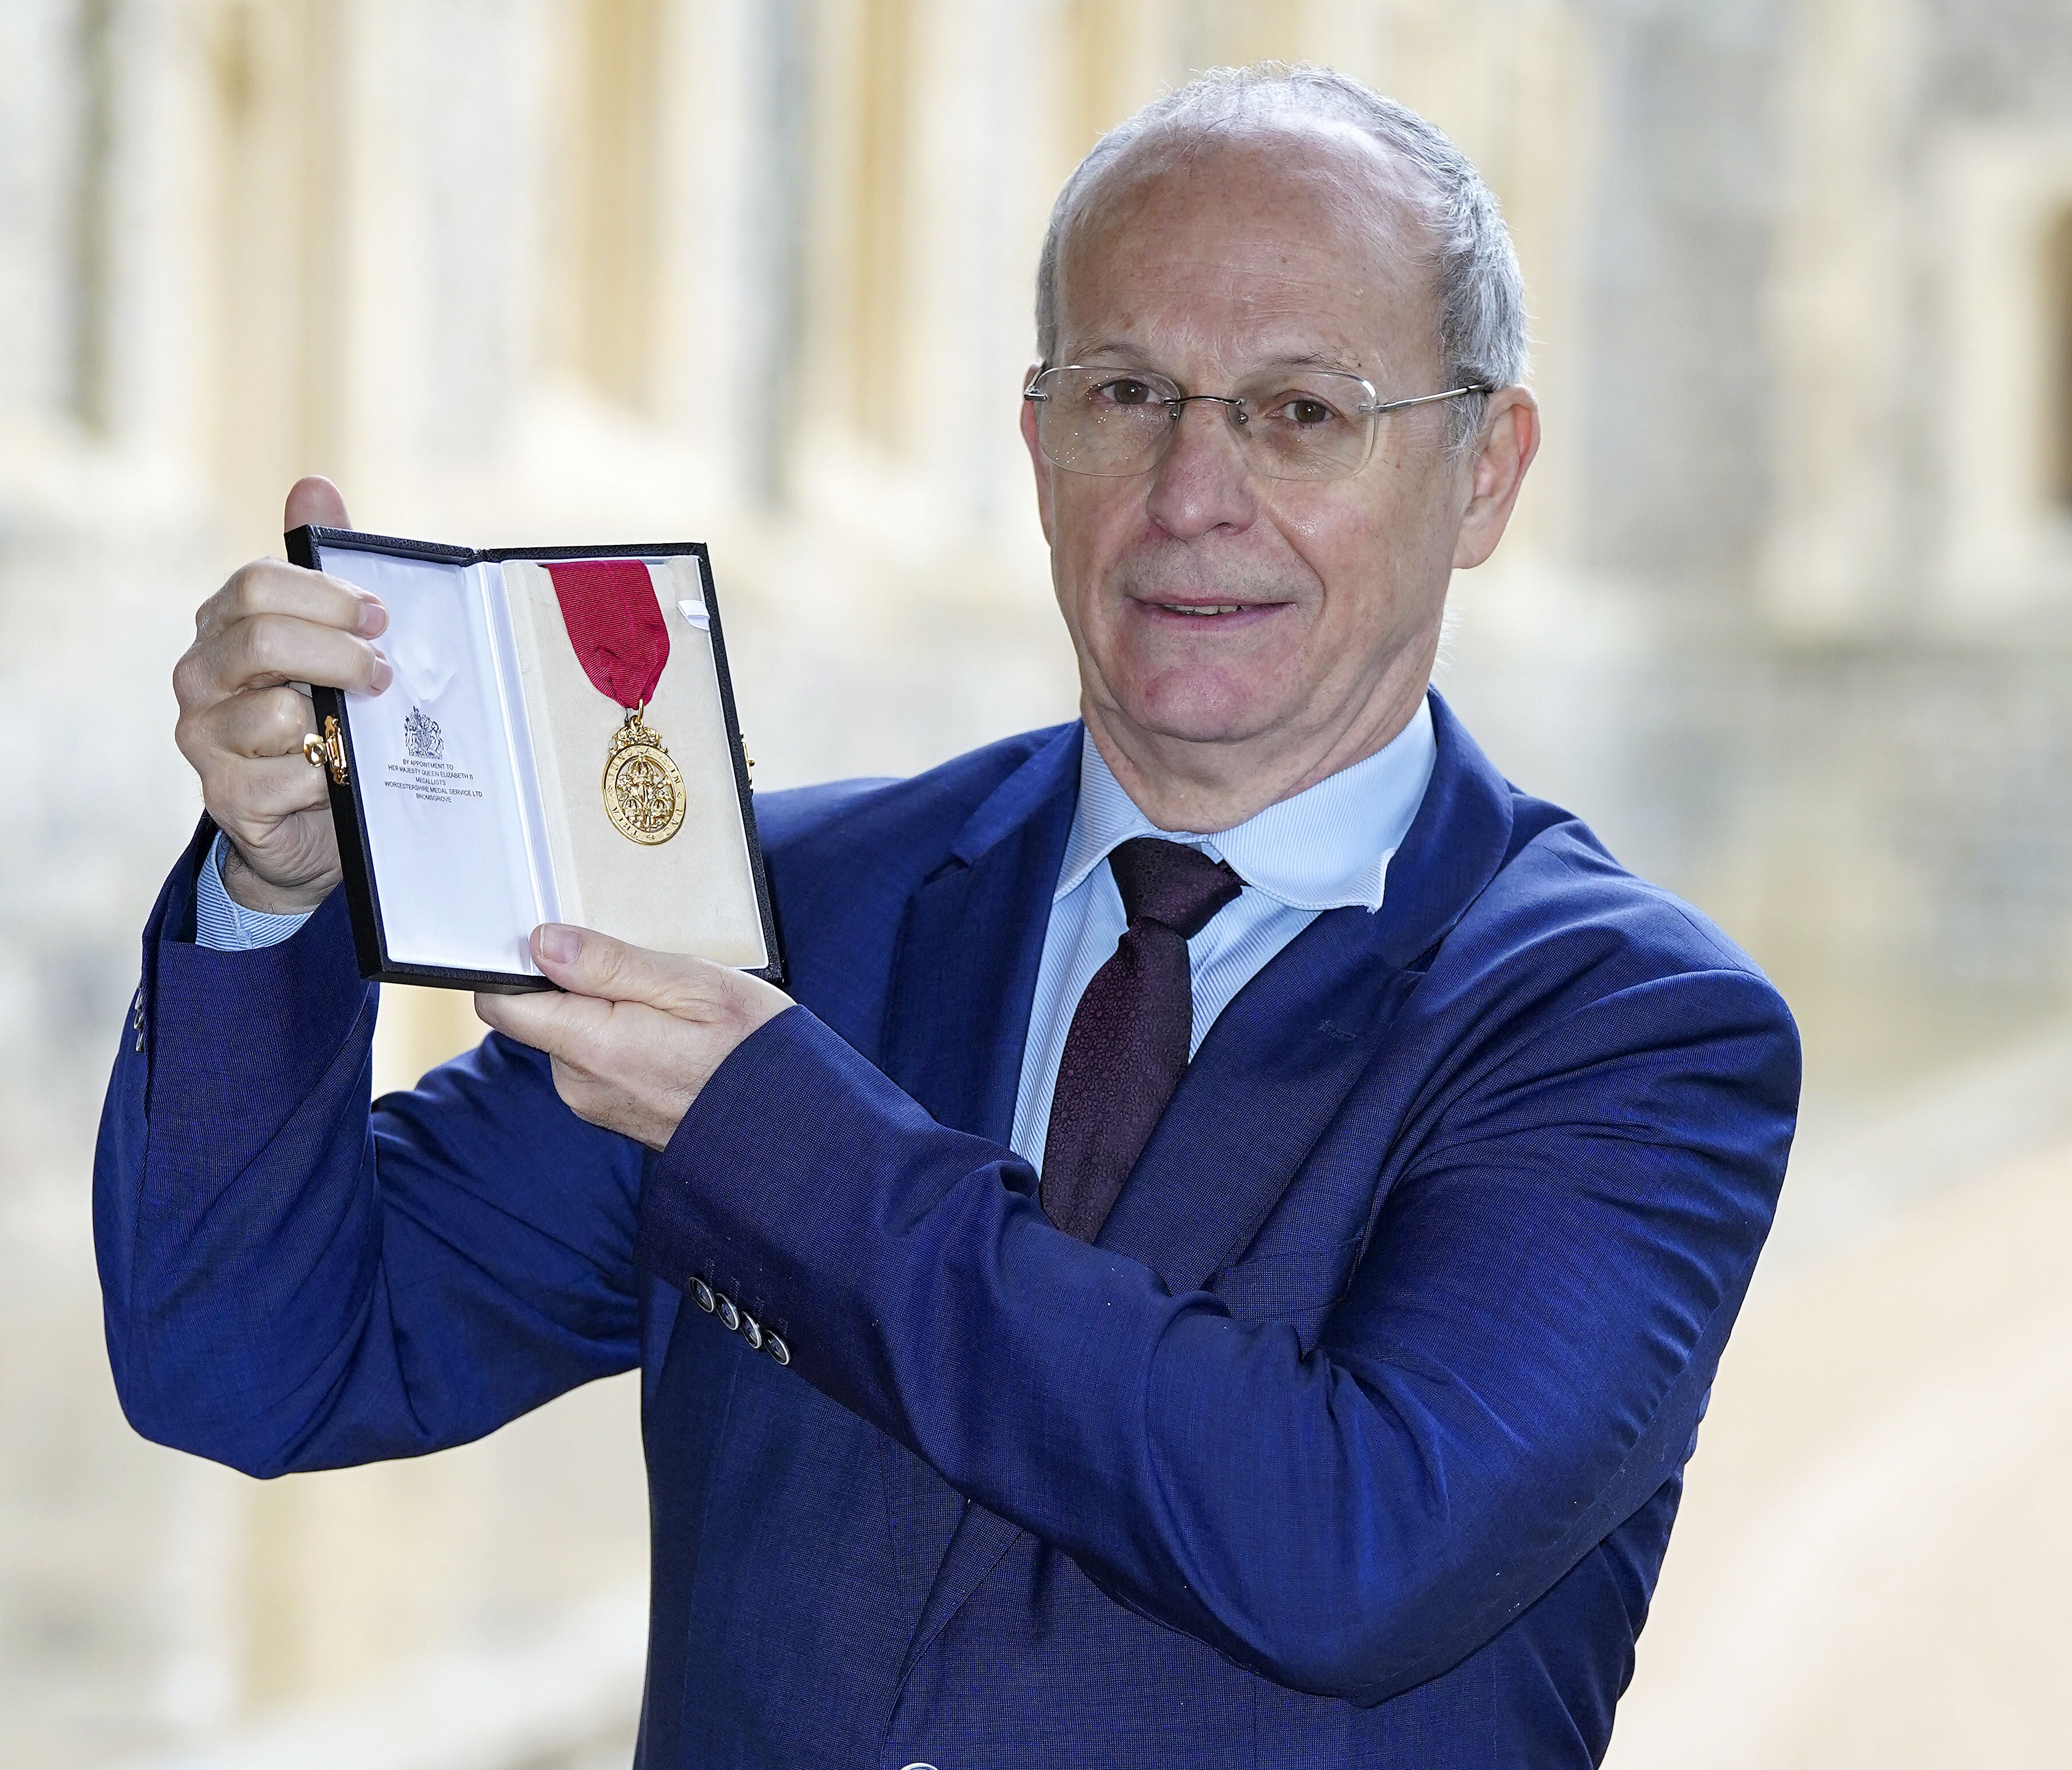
column 1315, row 166
column 1233, row 319
column 1261, row 235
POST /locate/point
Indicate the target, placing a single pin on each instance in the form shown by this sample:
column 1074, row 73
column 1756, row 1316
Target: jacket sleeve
column 291, row 1280
column 1519, row 1363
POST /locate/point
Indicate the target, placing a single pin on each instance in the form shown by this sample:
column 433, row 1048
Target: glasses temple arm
column 1426, row 399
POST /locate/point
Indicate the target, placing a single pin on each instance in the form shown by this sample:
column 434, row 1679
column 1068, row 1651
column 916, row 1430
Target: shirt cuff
column 223, row 923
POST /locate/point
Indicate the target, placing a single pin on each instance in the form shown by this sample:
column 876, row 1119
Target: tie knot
column 1172, row 884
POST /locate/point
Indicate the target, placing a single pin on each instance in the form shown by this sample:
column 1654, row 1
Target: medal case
column 492, row 787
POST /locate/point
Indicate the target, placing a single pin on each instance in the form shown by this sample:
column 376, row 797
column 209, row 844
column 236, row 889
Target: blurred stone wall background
column 1786, row 613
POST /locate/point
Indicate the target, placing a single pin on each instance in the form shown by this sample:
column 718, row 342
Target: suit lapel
column 1279, row 1061
column 957, row 1011
column 1276, row 1065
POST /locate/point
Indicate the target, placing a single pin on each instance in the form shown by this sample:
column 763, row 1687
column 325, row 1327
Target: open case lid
column 468, row 797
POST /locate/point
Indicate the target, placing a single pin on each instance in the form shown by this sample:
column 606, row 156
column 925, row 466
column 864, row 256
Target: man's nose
column 1205, row 480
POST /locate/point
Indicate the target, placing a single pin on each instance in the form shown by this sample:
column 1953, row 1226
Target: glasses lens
column 1298, row 423
column 1104, row 421
column 1308, row 424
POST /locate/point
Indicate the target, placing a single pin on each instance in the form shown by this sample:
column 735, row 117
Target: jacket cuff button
column 702, row 1294
column 751, row 1331
column 729, row 1317
column 773, row 1345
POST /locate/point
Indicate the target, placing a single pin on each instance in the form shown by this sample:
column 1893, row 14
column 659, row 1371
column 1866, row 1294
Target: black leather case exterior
column 362, row 889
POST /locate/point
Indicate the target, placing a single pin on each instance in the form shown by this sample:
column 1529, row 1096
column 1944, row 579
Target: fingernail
column 373, row 617
column 559, row 942
column 384, row 672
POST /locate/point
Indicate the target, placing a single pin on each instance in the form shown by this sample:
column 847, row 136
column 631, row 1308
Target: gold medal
column 609, row 608
column 643, row 793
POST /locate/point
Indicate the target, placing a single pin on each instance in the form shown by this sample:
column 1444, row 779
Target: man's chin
column 1198, row 719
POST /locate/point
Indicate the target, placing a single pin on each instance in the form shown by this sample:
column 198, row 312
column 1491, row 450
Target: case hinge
column 334, row 748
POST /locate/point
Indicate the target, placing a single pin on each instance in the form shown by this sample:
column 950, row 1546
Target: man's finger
column 270, row 650
column 314, row 500
column 263, row 792
column 262, row 722
column 266, row 586
column 562, row 1026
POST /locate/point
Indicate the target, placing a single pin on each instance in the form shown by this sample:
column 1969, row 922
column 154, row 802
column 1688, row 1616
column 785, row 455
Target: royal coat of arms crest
column 421, row 736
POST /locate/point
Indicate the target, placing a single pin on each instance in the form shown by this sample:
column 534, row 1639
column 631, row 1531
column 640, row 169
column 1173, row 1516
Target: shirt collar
column 1326, row 848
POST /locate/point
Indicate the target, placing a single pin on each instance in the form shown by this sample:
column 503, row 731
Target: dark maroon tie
column 1127, row 1048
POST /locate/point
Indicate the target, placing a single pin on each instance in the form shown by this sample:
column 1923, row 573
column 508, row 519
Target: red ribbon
column 614, row 624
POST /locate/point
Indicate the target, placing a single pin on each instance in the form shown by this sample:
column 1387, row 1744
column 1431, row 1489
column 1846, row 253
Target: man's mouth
column 1204, row 610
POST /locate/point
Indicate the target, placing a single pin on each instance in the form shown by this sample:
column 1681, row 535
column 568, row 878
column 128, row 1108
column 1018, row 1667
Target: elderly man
column 1402, row 1160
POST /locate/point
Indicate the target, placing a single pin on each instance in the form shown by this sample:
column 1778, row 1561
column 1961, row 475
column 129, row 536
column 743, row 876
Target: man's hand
column 243, row 716
column 638, row 1034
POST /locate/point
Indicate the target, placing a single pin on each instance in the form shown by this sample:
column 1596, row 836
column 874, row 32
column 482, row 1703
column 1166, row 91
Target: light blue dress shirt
column 222, row 922
column 1326, row 848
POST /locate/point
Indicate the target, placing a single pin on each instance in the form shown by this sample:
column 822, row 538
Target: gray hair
column 1482, row 323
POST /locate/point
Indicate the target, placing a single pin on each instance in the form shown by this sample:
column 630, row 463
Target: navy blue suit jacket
column 1355, row 1439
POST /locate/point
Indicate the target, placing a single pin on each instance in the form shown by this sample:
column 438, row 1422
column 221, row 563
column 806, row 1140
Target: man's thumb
column 314, row 499
column 589, row 963
column 585, row 962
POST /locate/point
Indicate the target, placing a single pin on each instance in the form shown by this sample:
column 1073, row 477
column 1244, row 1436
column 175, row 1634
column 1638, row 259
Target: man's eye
column 1126, row 392
column 1305, row 413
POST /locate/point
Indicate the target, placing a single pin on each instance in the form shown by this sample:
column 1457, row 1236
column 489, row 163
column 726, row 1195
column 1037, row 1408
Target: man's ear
column 1036, row 455
column 1509, row 438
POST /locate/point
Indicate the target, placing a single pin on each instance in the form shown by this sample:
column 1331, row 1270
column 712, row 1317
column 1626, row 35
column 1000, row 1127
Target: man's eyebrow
column 1111, row 346
column 1138, row 357
column 1375, row 368
column 1317, row 359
